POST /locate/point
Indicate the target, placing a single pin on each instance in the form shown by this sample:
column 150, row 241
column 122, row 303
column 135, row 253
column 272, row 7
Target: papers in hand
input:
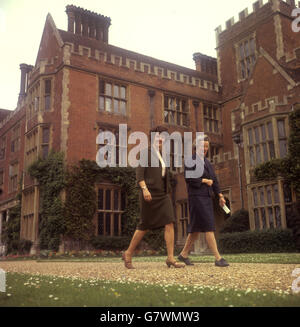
column 226, row 209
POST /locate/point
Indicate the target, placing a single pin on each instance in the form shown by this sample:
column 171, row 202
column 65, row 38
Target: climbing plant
column 50, row 173
column 288, row 167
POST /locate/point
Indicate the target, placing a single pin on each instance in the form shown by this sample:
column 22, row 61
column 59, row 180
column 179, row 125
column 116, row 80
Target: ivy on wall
column 50, row 173
column 288, row 167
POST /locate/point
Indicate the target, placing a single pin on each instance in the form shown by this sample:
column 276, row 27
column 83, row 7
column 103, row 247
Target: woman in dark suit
column 156, row 209
column 201, row 207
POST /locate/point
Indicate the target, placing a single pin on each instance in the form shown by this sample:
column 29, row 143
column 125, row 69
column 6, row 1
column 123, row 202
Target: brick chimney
column 205, row 64
column 87, row 23
column 25, row 69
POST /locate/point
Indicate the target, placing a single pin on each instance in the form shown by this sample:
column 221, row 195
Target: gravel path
column 238, row 275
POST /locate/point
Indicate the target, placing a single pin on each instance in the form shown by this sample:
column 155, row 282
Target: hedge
column 238, row 222
column 110, row 242
column 263, row 241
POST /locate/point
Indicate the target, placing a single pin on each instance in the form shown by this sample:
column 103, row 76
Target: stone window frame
column 13, row 176
column 45, row 143
column 31, row 146
column 240, row 78
column 213, row 119
column 109, row 214
column 47, row 94
column 34, row 98
column 268, row 210
column 173, row 107
column 15, row 143
column 273, row 151
column 115, row 130
column 103, row 94
column 2, row 147
column 183, row 218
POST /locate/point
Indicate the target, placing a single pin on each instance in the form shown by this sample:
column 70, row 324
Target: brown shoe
column 174, row 264
column 127, row 263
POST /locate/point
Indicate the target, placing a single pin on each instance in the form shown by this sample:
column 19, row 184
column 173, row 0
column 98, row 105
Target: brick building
column 80, row 85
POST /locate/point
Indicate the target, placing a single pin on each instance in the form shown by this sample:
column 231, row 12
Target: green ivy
column 50, row 173
column 11, row 228
column 288, row 167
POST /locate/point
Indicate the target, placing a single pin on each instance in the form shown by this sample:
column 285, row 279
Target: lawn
column 283, row 258
column 46, row 291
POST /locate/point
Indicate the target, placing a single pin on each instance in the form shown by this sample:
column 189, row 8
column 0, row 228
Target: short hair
column 205, row 139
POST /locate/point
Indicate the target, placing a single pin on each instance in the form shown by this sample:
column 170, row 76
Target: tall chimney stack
column 87, row 23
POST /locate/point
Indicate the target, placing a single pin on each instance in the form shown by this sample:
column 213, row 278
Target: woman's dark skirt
column 201, row 214
column 156, row 213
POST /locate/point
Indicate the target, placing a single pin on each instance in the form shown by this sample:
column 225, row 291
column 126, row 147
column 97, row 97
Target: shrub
column 263, row 241
column 238, row 222
column 293, row 222
column 110, row 242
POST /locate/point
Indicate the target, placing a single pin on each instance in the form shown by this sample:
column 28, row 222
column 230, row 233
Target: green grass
column 37, row 290
column 283, row 258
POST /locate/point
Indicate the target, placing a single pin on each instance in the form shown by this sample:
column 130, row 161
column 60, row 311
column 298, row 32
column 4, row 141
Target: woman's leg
column 191, row 238
column 211, row 241
column 169, row 238
column 136, row 238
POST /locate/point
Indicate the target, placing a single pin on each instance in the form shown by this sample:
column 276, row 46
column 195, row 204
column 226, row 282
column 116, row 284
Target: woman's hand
column 222, row 201
column 209, row 182
column 147, row 195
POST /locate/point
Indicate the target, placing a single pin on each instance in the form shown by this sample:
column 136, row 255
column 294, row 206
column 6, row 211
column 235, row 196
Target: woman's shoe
column 187, row 261
column 127, row 263
column 174, row 264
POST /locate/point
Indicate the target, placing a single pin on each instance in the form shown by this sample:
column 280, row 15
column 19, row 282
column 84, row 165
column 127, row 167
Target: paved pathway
column 238, row 275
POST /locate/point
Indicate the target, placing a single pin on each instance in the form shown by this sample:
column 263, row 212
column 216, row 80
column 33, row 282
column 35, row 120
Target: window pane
column 178, row 118
column 272, row 150
column 271, row 218
column 287, row 193
column 100, row 223
column 281, row 128
column 116, row 200
column 261, row 194
column 47, row 102
column 107, row 89
column 101, row 103
column 101, row 87
column 265, row 152
column 45, row 149
column 184, row 106
column 270, row 131
column 47, row 86
column 123, row 107
column 251, row 153
column 263, row 132
column 108, row 104
column 108, row 199
column 122, row 92
column 263, row 218
column 256, row 132
column 256, row 219
column 123, row 200
column 45, row 136
column 166, row 113
column 116, row 224
column 255, row 197
column 250, row 136
column 242, row 51
column 116, row 91
column 166, row 101
column 269, row 194
column 282, row 148
column 100, row 199
column 278, row 217
column 246, row 48
column 216, row 126
column 252, row 46
column 107, row 224
column 116, row 105
column 258, row 156
column 276, row 195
